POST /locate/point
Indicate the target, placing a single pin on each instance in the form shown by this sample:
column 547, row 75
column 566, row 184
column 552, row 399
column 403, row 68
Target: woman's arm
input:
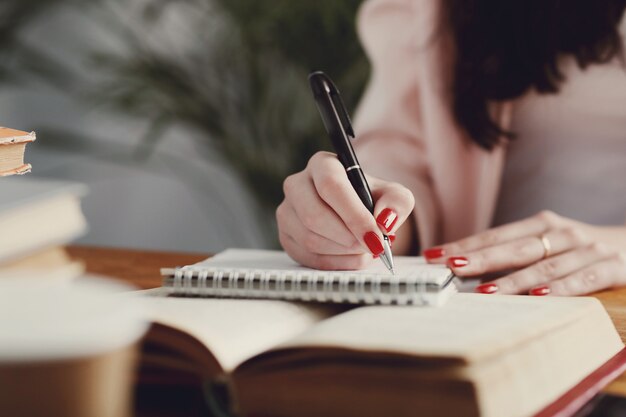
column 321, row 222
column 387, row 124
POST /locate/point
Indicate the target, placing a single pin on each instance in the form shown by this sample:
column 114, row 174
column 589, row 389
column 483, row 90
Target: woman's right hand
column 323, row 224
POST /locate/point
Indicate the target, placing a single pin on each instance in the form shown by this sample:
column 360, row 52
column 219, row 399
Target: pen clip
column 322, row 85
column 344, row 117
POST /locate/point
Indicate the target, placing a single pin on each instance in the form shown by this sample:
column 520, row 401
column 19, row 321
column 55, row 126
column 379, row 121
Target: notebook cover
column 574, row 399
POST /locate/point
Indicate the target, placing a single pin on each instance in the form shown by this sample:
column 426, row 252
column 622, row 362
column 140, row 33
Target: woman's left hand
column 549, row 254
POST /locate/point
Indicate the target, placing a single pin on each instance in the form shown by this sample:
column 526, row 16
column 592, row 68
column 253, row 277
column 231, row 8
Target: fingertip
column 432, row 254
column 457, row 262
column 487, row 288
column 387, row 219
column 393, row 197
column 540, row 291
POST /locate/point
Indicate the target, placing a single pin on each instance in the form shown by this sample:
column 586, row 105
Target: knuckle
column 327, row 184
column 582, row 282
column 571, row 285
column 620, row 257
column 290, row 184
column 490, row 238
column 404, row 195
column 359, row 226
column 281, row 239
column 508, row 285
column 452, row 249
column 284, row 242
column 280, row 213
column 548, row 268
column 526, row 249
column 599, row 248
column 463, row 245
column 548, row 217
column 480, row 262
column 355, row 245
column 311, row 243
column 315, row 158
column 320, row 159
column 310, row 221
column 559, row 288
column 575, row 235
column 589, row 279
column 410, row 198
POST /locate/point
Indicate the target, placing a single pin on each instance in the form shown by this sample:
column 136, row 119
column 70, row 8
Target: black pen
column 339, row 128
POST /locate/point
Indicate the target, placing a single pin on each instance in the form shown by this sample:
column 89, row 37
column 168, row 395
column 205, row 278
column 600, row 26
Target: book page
column 470, row 327
column 234, row 330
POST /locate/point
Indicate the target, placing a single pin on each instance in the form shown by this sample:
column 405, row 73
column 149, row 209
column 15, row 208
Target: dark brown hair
column 504, row 48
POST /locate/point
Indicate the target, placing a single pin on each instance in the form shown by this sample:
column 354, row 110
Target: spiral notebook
column 246, row 273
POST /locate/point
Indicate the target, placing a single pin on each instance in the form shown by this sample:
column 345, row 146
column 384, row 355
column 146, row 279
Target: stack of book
column 37, row 217
column 12, row 146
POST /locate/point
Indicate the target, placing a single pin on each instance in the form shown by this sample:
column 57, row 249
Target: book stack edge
column 37, row 217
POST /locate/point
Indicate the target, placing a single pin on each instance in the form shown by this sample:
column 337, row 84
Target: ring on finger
column 547, row 247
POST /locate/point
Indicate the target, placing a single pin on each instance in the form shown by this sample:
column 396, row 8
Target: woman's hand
column 323, row 224
column 549, row 253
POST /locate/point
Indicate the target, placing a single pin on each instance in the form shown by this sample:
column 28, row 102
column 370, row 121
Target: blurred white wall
column 172, row 200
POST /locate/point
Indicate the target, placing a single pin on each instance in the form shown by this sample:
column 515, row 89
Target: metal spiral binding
column 314, row 286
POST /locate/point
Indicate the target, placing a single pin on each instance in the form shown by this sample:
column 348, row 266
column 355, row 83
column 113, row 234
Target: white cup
column 68, row 349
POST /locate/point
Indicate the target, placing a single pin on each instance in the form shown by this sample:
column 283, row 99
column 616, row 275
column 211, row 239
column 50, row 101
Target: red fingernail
column 387, row 219
column 488, row 288
column 543, row 290
column 457, row 261
column 373, row 243
column 392, row 238
column 434, row 253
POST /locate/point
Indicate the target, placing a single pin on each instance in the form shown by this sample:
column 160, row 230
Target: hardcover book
column 476, row 355
column 12, row 147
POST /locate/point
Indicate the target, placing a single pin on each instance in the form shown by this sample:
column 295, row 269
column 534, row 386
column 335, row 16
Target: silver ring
column 352, row 167
column 547, row 247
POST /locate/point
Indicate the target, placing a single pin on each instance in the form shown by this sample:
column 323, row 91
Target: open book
column 477, row 355
column 247, row 273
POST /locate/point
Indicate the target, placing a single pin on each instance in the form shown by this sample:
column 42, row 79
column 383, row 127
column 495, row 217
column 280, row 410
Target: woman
column 481, row 113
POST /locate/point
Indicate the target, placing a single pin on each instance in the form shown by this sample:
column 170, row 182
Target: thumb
column 394, row 203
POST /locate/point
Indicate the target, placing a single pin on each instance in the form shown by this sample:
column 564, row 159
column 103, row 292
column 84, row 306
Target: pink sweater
column 570, row 156
column 405, row 128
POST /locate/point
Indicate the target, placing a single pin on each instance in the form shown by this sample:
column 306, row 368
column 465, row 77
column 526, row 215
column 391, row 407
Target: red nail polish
column 373, row 243
column 543, row 290
column 392, row 238
column 457, row 261
column 434, row 253
column 488, row 288
column 387, row 219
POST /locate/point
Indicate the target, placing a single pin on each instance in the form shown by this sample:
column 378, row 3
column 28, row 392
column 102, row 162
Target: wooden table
column 141, row 268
